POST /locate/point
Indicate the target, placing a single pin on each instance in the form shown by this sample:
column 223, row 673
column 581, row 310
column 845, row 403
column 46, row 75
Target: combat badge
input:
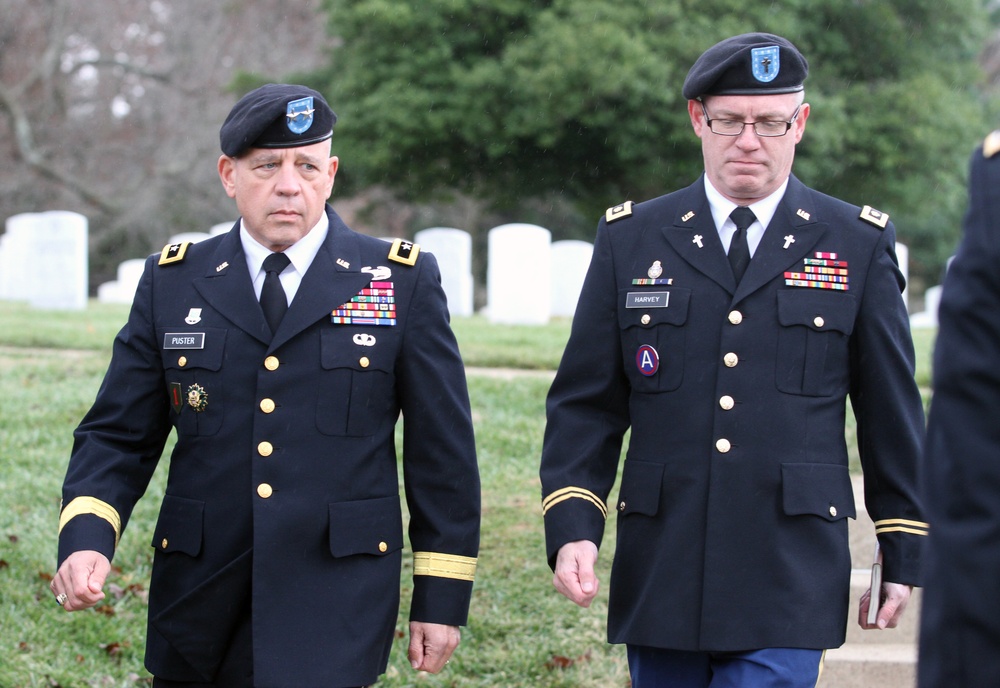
column 173, row 253
column 197, row 397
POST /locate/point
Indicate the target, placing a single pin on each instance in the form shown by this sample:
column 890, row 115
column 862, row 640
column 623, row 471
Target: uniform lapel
column 228, row 288
column 332, row 279
column 694, row 237
column 776, row 252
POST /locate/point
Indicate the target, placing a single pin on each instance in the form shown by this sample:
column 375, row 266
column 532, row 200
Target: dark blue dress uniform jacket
column 283, row 491
column 960, row 633
column 735, row 491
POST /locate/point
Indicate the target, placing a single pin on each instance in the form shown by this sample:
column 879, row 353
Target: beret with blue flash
column 750, row 64
column 276, row 116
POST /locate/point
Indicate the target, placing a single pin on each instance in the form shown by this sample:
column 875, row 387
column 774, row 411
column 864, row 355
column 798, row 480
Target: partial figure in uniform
column 282, row 353
column 960, row 625
column 727, row 324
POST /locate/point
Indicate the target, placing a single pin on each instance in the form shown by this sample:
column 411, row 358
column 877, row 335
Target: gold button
column 731, row 360
column 264, row 490
column 265, row 448
column 818, row 321
column 364, row 362
column 182, row 361
column 833, row 510
column 735, row 317
column 645, row 319
column 382, row 547
column 727, row 402
column 163, row 544
column 723, row 445
column 621, row 505
column 266, row 405
column 271, row 362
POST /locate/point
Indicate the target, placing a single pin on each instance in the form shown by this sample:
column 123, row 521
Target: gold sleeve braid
column 571, row 492
column 444, row 566
column 901, row 525
column 91, row 505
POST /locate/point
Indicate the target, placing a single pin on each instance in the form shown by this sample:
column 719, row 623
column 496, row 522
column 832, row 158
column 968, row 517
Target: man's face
column 281, row 192
column 748, row 167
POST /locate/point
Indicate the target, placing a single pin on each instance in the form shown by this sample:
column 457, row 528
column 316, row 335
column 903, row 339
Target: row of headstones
column 530, row 278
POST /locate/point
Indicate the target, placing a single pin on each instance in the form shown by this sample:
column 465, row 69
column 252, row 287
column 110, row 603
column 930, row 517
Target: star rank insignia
column 404, row 252
column 173, row 253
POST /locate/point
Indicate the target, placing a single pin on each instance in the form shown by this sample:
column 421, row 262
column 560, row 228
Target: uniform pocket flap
column 366, row 526
column 819, row 489
column 179, row 525
column 344, row 347
column 641, row 306
column 194, row 348
column 817, row 309
column 641, row 485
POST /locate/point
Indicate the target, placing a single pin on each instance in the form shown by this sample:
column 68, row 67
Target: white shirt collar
column 763, row 209
column 301, row 254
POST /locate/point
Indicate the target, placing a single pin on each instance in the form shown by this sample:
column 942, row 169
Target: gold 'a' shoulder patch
column 618, row 212
column 173, row 253
column 404, row 252
column 874, row 217
column 991, row 146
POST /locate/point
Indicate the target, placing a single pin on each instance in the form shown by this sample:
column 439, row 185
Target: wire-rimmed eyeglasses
column 734, row 127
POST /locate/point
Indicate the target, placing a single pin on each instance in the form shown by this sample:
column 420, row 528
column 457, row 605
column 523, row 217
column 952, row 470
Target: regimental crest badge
column 300, row 115
column 765, row 63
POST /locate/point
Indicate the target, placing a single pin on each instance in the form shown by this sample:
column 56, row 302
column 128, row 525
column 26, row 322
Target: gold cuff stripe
column 91, row 505
column 444, row 566
column 900, row 529
column 573, row 492
column 901, row 522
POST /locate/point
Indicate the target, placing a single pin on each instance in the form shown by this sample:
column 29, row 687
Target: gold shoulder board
column 173, row 253
column 874, row 217
column 618, row 212
column 404, row 252
column 991, row 146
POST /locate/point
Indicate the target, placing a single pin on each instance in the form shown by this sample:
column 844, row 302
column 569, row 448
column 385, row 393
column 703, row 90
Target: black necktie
column 272, row 296
column 739, row 249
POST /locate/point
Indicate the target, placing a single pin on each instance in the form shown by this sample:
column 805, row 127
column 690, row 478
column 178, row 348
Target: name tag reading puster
column 184, row 340
column 647, row 299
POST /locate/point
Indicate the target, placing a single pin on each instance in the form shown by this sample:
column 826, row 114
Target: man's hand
column 431, row 645
column 896, row 598
column 574, row 575
column 81, row 578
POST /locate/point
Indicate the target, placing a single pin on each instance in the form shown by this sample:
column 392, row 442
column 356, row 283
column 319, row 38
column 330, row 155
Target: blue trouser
column 653, row 667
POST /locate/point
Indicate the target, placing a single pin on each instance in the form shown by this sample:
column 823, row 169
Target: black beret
column 747, row 65
column 276, row 116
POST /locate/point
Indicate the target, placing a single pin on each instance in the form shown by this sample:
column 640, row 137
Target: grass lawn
column 521, row 632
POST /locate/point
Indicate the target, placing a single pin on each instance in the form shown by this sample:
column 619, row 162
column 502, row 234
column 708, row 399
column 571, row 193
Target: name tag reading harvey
column 184, row 340
column 647, row 299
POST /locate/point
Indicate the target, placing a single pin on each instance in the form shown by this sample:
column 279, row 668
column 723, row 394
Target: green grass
column 520, row 630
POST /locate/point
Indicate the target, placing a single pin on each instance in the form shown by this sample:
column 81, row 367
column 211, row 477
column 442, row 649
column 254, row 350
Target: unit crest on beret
column 618, row 212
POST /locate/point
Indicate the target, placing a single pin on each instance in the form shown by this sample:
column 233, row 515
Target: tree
column 507, row 100
column 112, row 108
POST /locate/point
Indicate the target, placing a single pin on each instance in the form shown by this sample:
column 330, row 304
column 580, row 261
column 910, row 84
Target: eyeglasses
column 733, row 127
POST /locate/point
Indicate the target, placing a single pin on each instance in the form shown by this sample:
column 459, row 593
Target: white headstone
column 45, row 260
column 570, row 260
column 193, row 237
column 221, row 228
column 519, row 278
column 122, row 290
column 903, row 256
column 453, row 250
